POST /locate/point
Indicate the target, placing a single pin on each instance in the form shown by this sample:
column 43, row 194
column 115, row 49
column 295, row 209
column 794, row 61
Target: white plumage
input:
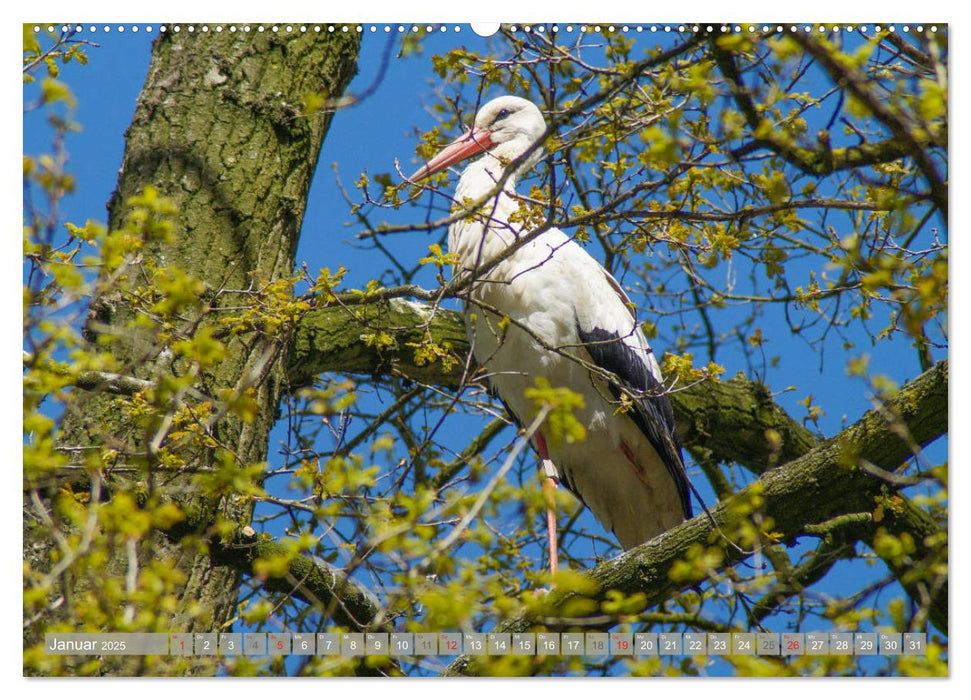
column 629, row 469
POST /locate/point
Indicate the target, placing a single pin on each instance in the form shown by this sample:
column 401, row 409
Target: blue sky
column 369, row 137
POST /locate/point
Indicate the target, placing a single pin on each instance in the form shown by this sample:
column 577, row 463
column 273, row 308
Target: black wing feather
column 652, row 413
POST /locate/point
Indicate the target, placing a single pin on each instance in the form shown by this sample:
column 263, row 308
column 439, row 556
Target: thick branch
column 312, row 580
column 717, row 421
column 335, row 340
column 823, row 484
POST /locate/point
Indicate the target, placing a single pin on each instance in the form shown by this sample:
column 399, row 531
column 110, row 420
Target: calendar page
column 525, row 349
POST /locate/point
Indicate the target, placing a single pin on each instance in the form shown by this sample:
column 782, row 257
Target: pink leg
column 549, row 487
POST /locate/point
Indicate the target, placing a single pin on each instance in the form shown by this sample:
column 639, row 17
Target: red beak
column 465, row 146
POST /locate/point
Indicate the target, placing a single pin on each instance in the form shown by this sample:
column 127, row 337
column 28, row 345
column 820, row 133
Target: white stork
column 629, row 469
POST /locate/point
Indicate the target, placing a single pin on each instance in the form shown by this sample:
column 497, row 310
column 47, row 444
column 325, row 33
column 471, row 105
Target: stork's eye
column 503, row 113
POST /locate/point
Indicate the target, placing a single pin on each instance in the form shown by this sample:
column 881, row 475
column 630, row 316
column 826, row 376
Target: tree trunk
column 218, row 129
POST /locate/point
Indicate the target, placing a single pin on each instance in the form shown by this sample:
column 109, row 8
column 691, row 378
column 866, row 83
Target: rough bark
column 218, row 130
column 330, row 340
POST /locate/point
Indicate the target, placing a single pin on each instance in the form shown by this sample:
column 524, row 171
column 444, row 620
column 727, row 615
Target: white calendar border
column 438, row 11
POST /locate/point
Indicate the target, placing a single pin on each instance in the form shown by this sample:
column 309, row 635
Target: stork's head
column 506, row 128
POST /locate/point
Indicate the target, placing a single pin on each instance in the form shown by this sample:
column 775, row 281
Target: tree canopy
column 222, row 434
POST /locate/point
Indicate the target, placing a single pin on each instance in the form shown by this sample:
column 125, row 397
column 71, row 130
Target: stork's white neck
column 487, row 236
column 480, row 239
